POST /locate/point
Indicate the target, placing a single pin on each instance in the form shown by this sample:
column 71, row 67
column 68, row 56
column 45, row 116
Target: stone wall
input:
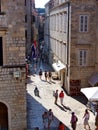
column 83, row 40
column 12, row 72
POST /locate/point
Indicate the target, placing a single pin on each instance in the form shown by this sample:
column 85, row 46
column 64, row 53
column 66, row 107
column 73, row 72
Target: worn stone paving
column 37, row 105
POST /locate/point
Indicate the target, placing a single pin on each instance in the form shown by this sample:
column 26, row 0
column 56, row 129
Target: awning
column 91, row 93
column 93, row 80
column 58, row 66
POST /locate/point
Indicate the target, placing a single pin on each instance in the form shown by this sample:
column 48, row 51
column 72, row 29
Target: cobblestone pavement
column 37, row 105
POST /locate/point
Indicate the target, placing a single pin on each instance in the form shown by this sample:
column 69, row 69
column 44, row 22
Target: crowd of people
column 47, row 119
column 47, row 75
column 48, row 116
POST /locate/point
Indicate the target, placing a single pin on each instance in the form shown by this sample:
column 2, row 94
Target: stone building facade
column 29, row 18
column 73, row 42
column 12, row 65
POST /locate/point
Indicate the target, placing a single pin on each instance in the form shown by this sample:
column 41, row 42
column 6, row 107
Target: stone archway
column 3, row 117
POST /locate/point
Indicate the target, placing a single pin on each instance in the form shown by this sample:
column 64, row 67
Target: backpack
column 74, row 119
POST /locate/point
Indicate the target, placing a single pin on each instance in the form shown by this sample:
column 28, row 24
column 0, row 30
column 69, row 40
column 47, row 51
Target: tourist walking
column 50, row 118
column 46, row 75
column 36, row 91
column 56, row 96
column 36, row 128
column 61, row 96
column 96, row 121
column 61, row 126
column 40, row 73
column 35, row 68
column 49, row 75
column 73, row 121
column 45, row 120
column 86, row 119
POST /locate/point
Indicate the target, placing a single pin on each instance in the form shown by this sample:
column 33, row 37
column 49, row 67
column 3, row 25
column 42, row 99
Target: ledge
column 14, row 66
column 2, row 13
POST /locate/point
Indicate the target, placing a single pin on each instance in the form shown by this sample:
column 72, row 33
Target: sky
column 40, row 3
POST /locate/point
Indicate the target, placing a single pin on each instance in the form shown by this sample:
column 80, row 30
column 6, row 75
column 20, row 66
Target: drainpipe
column 68, row 46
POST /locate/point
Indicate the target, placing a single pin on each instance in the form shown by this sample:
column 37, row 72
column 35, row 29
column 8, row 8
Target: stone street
column 37, row 105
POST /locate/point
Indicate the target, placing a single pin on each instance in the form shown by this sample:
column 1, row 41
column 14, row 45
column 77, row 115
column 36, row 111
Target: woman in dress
column 86, row 119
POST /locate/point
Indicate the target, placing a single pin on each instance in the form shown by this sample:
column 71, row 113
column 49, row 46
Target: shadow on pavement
column 61, row 107
column 34, row 115
column 29, row 81
column 66, row 107
column 81, row 98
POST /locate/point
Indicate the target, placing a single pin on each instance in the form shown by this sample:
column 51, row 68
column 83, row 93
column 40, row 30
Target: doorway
column 63, row 79
column 3, row 117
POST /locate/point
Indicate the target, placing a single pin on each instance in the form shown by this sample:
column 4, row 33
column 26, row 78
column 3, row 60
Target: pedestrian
column 40, row 73
column 46, row 75
column 73, row 121
column 96, row 120
column 86, row 119
column 50, row 118
column 61, row 96
column 45, row 120
column 36, row 91
column 61, row 126
column 36, row 128
column 35, row 68
column 49, row 75
column 56, row 96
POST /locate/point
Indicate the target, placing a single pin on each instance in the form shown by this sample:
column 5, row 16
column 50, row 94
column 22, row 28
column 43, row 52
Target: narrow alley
column 37, row 105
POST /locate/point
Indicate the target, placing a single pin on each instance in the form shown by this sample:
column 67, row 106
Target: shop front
column 59, row 68
column 92, row 95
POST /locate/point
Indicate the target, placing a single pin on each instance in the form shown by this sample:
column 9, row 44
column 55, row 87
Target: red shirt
column 61, row 127
column 61, row 95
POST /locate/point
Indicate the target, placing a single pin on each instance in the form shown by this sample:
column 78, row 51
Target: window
column 2, row 8
column 83, row 57
column 83, row 23
column 26, row 18
column 26, row 35
column 64, row 53
column 0, row 5
column 1, row 52
column 25, row 2
column 60, row 22
column 33, row 18
column 65, row 21
column 57, row 22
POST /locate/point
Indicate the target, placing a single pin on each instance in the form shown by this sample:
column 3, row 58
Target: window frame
column 83, row 23
column 83, row 57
